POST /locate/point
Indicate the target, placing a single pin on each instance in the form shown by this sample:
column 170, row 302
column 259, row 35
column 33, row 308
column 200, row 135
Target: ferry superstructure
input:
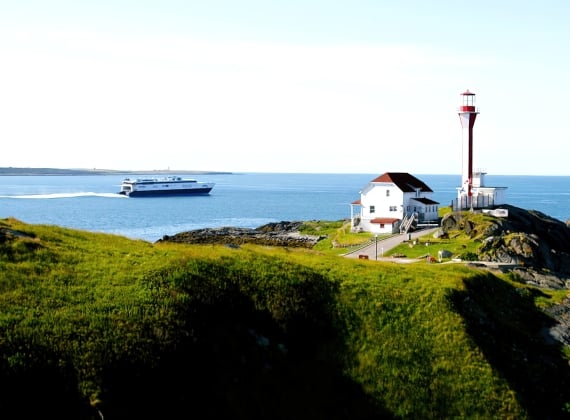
column 171, row 185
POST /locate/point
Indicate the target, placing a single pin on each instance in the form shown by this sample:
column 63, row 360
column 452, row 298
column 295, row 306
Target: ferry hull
column 164, row 193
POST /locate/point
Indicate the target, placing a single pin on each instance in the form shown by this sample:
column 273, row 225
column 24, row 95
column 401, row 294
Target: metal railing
column 475, row 202
column 407, row 222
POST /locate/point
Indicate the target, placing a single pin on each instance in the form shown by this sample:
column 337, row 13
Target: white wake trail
column 65, row 195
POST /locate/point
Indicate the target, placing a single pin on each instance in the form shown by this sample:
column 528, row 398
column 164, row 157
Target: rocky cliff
column 537, row 245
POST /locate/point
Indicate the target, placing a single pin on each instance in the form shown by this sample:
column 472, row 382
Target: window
column 393, row 208
column 372, row 209
column 387, row 193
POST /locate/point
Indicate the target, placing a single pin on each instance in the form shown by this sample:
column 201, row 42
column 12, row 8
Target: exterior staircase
column 407, row 222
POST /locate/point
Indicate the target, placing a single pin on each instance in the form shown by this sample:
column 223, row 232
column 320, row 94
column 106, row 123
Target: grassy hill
column 98, row 325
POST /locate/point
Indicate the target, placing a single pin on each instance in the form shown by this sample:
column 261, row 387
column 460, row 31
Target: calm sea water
column 241, row 200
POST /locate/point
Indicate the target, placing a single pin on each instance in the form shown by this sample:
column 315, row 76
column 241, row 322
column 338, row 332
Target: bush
column 469, row 256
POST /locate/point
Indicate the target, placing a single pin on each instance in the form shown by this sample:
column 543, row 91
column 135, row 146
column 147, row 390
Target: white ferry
column 171, row 185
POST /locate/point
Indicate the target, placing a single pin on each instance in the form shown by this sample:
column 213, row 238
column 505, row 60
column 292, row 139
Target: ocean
column 241, row 200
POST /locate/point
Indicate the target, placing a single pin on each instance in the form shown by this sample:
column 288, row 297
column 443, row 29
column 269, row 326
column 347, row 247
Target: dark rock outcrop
column 273, row 234
column 7, row 235
column 537, row 245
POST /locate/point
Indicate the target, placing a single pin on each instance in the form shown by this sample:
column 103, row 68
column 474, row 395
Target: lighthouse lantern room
column 473, row 193
column 467, row 102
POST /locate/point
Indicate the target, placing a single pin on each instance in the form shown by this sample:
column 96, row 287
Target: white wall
column 393, row 205
column 375, row 195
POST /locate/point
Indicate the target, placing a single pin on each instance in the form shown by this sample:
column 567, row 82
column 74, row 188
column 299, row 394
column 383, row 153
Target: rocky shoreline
column 283, row 234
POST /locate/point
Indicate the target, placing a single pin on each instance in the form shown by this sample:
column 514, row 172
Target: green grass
column 458, row 243
column 140, row 330
column 427, row 244
column 338, row 238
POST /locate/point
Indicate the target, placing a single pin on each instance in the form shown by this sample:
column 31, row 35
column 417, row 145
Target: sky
column 294, row 86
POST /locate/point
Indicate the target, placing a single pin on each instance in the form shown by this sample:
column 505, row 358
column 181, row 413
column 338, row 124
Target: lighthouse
column 467, row 115
column 473, row 193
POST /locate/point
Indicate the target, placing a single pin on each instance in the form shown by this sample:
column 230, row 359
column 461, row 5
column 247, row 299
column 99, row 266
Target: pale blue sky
column 284, row 86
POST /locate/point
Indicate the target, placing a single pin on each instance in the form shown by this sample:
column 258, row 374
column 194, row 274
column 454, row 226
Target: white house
column 391, row 203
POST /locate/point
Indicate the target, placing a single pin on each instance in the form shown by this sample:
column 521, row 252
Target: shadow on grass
column 254, row 349
column 510, row 331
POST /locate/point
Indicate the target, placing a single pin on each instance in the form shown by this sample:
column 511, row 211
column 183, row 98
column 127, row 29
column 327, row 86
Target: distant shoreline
column 9, row 171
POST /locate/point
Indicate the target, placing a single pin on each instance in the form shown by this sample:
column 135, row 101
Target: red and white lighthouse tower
column 473, row 193
column 467, row 115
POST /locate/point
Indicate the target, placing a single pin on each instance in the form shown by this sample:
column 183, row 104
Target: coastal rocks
column 560, row 331
column 537, row 244
column 449, row 222
column 272, row 234
column 7, row 235
column 14, row 242
column 541, row 279
column 444, row 254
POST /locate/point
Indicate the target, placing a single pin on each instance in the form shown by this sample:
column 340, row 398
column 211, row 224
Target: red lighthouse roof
column 467, row 102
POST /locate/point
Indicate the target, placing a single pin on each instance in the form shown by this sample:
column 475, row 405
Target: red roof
column 468, row 93
column 357, row 202
column 404, row 181
column 384, row 220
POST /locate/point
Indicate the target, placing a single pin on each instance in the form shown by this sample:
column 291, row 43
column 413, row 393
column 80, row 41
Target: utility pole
column 376, row 240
